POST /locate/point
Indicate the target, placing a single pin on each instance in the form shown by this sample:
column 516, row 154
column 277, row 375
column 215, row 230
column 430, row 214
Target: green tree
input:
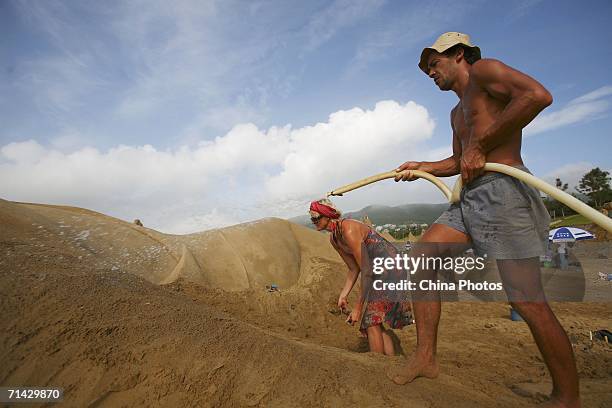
column 596, row 185
column 556, row 208
column 416, row 230
column 560, row 184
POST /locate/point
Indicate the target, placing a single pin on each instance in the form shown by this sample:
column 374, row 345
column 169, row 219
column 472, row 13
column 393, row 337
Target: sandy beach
column 122, row 315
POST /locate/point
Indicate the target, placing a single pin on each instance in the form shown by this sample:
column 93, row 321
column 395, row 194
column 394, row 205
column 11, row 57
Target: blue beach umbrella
column 569, row 234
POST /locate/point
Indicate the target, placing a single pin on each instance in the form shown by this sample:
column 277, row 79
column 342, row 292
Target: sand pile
column 121, row 315
column 245, row 256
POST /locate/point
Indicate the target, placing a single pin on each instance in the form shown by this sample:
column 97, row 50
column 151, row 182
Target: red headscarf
column 324, row 210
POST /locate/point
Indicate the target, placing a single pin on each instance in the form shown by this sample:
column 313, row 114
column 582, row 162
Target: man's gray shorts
column 505, row 218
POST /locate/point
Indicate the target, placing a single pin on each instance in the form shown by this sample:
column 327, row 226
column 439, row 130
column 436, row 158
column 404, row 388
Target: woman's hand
column 355, row 315
column 342, row 303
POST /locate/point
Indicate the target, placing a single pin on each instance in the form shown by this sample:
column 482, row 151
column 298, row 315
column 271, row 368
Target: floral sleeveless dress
column 396, row 313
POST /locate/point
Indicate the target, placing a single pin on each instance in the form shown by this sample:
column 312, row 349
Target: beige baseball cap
column 443, row 43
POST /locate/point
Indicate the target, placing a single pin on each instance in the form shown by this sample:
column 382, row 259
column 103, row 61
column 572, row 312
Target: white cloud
column 584, row 108
column 25, row 152
column 413, row 28
column 349, row 145
column 219, row 118
column 58, row 84
column 339, row 14
column 69, row 140
column 60, row 80
column 210, row 57
column 246, row 174
column 202, row 222
column 521, row 8
column 593, row 95
column 190, row 60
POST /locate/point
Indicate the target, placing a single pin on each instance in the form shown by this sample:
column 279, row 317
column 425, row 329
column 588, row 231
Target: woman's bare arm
column 353, row 236
column 353, row 270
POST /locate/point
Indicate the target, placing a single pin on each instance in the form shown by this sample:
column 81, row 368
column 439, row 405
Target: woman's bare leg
column 387, row 342
column 375, row 339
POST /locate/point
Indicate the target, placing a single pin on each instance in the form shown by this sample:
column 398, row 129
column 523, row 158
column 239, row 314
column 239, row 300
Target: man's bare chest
column 475, row 110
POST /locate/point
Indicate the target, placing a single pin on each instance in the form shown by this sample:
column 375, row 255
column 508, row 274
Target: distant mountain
column 382, row 214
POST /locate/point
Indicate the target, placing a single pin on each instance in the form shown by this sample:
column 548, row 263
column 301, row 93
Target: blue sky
column 200, row 114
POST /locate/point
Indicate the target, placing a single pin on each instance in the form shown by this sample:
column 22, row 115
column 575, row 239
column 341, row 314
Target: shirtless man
column 497, row 214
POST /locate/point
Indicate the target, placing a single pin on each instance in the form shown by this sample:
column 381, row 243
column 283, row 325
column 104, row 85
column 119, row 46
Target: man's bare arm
column 525, row 98
column 442, row 168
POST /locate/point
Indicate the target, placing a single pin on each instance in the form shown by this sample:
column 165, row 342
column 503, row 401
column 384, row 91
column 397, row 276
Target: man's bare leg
column 427, row 309
column 523, row 285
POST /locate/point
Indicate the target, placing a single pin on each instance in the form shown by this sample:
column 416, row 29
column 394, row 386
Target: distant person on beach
column 357, row 244
column 497, row 214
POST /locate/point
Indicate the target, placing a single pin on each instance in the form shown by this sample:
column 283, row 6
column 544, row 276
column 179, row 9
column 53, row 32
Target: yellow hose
column 392, row 174
column 453, row 196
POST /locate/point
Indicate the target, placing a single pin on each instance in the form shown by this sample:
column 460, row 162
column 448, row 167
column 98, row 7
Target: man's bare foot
column 414, row 367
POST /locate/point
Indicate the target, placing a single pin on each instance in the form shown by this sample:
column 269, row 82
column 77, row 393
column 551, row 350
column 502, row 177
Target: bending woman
column 358, row 244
